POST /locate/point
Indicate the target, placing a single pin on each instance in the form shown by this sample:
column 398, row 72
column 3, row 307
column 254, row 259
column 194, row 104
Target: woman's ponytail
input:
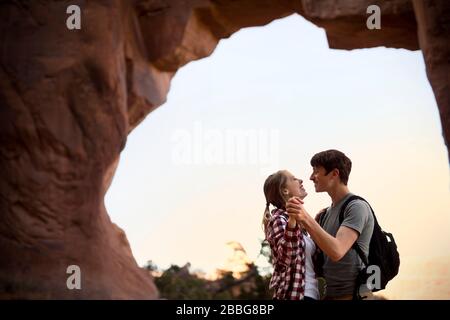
column 266, row 217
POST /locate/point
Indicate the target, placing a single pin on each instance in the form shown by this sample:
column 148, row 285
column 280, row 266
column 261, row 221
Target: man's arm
column 334, row 247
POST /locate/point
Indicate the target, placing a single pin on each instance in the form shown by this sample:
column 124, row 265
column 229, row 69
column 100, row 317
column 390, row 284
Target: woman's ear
column 285, row 192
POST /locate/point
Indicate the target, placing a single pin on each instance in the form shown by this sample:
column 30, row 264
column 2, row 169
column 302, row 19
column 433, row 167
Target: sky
column 190, row 177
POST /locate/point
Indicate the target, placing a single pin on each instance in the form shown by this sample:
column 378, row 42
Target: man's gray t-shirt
column 340, row 276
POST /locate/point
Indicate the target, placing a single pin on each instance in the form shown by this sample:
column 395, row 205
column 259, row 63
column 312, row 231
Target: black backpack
column 382, row 252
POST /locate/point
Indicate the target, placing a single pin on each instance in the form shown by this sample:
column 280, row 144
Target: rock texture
column 69, row 98
column 434, row 37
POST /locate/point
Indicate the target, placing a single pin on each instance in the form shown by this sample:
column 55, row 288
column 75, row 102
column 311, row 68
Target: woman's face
column 294, row 187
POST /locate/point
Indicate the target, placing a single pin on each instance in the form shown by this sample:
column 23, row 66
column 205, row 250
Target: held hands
column 295, row 209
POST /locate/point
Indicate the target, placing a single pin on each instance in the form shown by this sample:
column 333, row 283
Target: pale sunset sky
column 182, row 189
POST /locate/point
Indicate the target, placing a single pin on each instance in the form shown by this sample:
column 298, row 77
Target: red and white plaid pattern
column 288, row 257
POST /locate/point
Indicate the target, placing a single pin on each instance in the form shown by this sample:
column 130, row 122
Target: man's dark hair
column 333, row 159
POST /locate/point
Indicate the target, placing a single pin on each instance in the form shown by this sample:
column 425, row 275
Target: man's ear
column 336, row 173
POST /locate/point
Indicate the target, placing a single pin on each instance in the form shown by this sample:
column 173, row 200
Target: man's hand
column 294, row 207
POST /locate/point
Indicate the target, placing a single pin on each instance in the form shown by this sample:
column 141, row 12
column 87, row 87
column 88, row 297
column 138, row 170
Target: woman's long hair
column 273, row 192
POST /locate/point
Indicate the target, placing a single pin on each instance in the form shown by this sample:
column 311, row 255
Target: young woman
column 292, row 249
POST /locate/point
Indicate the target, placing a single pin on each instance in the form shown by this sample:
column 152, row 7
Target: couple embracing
column 332, row 245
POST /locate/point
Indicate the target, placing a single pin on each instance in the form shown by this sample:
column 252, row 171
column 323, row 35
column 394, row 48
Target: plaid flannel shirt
column 288, row 254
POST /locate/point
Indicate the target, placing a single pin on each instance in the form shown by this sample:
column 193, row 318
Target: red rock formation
column 69, row 98
column 64, row 120
column 434, row 37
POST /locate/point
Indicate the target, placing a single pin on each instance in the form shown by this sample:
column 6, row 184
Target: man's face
column 321, row 179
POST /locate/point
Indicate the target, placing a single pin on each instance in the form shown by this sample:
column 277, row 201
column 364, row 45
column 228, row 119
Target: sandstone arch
column 69, row 98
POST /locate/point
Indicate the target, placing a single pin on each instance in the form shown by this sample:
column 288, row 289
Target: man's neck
column 338, row 194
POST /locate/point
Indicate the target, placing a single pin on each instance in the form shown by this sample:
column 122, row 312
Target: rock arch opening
column 375, row 104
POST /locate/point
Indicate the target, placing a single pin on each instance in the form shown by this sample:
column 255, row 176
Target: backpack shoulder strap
column 344, row 206
column 322, row 216
column 341, row 219
column 354, row 197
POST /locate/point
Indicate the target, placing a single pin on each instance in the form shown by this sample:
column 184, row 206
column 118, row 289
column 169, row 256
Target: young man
column 342, row 264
